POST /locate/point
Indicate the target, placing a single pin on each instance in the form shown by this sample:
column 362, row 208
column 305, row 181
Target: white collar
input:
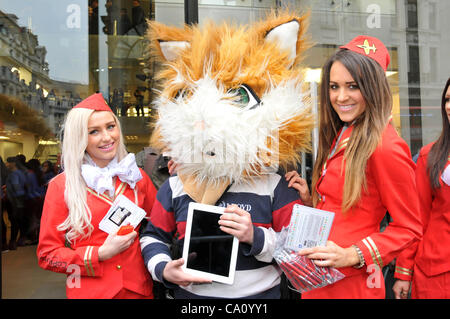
column 446, row 175
column 100, row 179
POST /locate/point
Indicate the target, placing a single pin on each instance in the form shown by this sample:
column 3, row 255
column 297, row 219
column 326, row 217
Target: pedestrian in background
column 48, row 172
column 16, row 195
column 3, row 176
column 34, row 198
column 429, row 268
column 139, row 102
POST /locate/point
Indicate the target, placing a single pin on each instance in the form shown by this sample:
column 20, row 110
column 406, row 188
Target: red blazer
column 433, row 252
column 390, row 187
column 98, row 279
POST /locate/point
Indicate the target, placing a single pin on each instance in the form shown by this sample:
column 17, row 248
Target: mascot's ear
column 171, row 49
column 168, row 41
column 285, row 36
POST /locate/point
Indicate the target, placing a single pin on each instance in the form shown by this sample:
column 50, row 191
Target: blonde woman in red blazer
column 97, row 169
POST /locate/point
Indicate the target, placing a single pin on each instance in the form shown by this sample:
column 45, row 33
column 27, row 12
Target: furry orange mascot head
column 232, row 105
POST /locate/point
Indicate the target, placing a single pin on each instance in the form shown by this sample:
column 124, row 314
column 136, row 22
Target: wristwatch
column 362, row 262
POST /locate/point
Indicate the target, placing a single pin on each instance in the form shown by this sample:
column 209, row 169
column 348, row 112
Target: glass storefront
column 53, row 53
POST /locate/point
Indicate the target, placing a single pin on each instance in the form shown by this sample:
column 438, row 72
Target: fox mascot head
column 232, row 104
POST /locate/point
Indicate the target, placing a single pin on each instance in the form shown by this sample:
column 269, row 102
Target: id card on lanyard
column 122, row 212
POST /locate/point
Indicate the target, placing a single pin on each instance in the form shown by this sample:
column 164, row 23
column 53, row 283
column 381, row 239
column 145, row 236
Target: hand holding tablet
column 174, row 273
column 237, row 222
column 208, row 251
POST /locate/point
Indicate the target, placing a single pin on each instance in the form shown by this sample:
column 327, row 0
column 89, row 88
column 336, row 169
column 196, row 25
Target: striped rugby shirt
column 267, row 198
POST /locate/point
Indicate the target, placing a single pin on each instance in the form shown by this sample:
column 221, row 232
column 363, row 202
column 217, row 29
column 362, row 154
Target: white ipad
column 208, row 252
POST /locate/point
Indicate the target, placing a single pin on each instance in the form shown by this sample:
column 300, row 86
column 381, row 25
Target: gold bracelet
column 362, row 262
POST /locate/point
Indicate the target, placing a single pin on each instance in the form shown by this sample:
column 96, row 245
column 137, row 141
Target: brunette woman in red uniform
column 430, row 269
column 97, row 169
column 363, row 169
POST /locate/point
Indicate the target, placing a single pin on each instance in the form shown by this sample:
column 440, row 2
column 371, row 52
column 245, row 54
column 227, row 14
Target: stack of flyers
column 303, row 274
column 308, row 227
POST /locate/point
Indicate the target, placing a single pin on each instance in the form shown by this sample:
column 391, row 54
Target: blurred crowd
column 24, row 184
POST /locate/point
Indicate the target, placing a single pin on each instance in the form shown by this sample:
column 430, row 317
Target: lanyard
column 337, row 146
column 337, row 142
column 119, row 190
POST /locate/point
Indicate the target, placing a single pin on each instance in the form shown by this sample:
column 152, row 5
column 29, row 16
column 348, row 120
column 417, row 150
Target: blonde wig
column 74, row 144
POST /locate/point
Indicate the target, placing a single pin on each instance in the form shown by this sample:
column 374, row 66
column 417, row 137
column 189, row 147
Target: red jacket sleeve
column 393, row 172
column 53, row 252
column 424, row 191
column 405, row 262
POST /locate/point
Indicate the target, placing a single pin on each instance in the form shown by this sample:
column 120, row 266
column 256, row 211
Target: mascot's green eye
column 245, row 97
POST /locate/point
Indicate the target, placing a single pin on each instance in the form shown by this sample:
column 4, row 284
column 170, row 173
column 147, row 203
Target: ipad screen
column 210, row 249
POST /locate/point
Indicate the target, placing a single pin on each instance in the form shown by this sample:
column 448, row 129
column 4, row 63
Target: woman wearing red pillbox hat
column 427, row 264
column 363, row 169
column 97, row 169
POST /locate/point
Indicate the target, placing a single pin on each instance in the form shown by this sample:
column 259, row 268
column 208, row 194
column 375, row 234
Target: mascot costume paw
column 231, row 112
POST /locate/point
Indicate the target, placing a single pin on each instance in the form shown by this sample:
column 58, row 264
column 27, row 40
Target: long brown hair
column 439, row 152
column 368, row 127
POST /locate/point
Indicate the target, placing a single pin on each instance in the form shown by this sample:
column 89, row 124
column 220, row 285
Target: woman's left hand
column 401, row 289
column 331, row 255
column 115, row 244
column 300, row 184
column 172, row 166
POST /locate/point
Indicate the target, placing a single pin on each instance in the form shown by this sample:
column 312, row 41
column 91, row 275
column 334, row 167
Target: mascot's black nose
column 210, row 153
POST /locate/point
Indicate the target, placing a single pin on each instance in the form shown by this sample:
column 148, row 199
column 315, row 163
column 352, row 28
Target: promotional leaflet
column 309, row 227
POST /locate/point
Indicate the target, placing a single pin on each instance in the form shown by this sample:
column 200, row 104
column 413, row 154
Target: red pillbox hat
column 370, row 47
column 94, row 102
